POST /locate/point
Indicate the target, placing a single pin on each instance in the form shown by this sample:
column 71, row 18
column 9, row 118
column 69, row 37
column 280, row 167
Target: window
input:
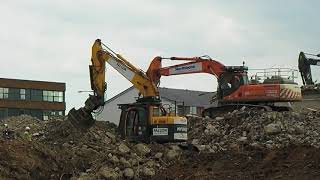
column 36, row 113
column 36, row 95
column 45, row 95
column 56, row 96
column 4, row 93
column 136, row 122
column 156, row 111
column 50, row 96
column 24, row 111
column 186, row 110
column 13, row 112
column 3, row 113
column 27, row 94
column 22, row 94
column 193, row 110
column 53, row 96
column 59, row 97
column 18, row 112
column 130, row 120
column 14, row 94
column 46, row 115
column 181, row 111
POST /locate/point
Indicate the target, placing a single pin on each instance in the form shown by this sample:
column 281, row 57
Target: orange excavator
column 234, row 90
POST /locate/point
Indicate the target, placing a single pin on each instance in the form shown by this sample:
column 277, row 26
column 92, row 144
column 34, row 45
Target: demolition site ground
column 243, row 144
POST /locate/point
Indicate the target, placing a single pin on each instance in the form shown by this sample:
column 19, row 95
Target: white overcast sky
column 51, row 40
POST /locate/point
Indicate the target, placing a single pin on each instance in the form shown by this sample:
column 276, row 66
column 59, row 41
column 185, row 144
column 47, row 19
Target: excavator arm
column 97, row 71
column 83, row 117
column 195, row 65
column 304, row 65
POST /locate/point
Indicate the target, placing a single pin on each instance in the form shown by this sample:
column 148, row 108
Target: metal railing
column 272, row 73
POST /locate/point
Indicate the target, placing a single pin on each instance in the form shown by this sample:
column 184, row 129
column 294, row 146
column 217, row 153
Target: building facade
column 36, row 98
column 178, row 101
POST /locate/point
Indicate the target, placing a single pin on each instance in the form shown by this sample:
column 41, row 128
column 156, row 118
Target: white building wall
column 111, row 112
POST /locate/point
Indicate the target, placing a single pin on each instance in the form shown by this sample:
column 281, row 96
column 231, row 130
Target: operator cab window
column 158, row 111
column 231, row 82
column 136, row 122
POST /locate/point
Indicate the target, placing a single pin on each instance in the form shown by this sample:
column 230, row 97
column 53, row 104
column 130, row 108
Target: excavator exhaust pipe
column 82, row 118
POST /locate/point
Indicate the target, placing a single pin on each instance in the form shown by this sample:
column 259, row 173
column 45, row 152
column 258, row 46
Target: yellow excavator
column 144, row 120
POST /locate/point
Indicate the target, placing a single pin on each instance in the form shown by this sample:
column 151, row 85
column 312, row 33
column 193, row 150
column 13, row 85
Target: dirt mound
column 56, row 149
column 24, row 160
column 294, row 162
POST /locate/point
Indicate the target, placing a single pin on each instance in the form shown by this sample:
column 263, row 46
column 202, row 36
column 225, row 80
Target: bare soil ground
column 289, row 163
column 59, row 151
column 25, row 160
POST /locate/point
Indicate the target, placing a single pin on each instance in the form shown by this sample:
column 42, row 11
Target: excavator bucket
column 82, row 118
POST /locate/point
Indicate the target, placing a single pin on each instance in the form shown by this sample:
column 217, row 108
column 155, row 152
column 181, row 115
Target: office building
column 36, row 98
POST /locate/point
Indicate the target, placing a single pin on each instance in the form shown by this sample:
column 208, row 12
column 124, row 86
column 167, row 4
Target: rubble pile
column 102, row 153
column 255, row 129
column 97, row 153
column 243, row 139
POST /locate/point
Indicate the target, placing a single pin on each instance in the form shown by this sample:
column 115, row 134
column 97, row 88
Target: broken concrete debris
column 256, row 129
column 56, row 149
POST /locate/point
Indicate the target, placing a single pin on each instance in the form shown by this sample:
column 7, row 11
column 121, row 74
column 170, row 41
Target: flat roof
column 32, row 84
column 11, row 79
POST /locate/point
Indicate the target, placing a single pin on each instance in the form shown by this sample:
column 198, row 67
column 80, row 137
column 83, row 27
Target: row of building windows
column 31, row 94
column 47, row 114
column 181, row 110
column 40, row 114
column 53, row 96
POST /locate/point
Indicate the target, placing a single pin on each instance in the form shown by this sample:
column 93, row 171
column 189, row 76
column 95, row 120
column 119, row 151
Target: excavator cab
column 147, row 121
column 136, row 121
column 230, row 80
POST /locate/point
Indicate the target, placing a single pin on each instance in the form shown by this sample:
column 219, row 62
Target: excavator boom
column 136, row 76
column 196, row 65
column 83, row 117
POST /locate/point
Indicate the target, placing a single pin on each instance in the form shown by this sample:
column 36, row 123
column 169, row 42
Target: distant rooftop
column 26, row 80
column 32, row 84
column 188, row 97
